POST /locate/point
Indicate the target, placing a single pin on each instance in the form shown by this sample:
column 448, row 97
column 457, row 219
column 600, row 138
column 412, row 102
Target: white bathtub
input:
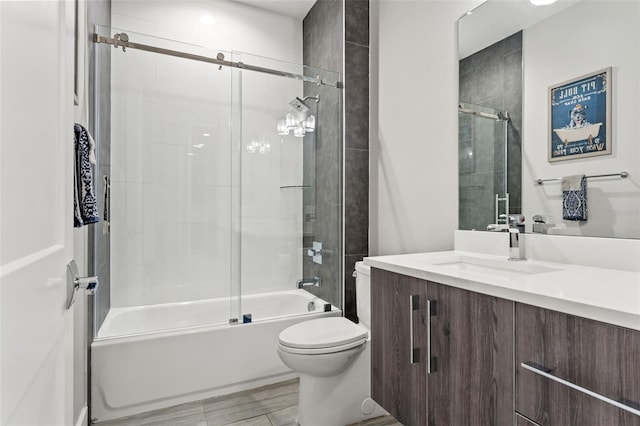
column 151, row 357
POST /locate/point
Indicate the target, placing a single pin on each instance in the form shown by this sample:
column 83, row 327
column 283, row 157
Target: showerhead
column 299, row 105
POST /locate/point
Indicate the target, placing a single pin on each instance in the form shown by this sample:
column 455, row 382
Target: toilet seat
column 322, row 336
column 321, row 351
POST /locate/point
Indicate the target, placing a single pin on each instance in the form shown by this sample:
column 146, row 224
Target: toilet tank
column 363, row 293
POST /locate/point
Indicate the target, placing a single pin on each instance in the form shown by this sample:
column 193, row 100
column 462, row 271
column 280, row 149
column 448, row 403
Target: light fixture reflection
column 541, row 2
column 310, row 123
column 298, row 118
column 258, row 147
column 282, row 127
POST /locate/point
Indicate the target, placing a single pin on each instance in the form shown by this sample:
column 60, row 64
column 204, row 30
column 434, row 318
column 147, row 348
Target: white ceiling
column 294, row 8
column 495, row 20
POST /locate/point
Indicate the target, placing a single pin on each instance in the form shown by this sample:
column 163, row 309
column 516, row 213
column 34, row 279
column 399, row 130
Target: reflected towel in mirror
column 574, row 197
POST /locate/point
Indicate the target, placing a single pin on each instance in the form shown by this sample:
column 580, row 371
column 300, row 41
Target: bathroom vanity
column 424, row 371
column 468, row 338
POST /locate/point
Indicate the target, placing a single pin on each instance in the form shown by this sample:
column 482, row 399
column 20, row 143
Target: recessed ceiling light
column 206, row 134
column 207, row 19
column 541, row 2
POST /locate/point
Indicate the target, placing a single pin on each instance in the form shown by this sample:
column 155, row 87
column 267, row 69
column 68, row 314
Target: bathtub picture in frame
column 580, row 117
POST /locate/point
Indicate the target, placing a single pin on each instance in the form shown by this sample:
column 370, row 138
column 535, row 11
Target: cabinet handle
column 431, row 362
column 538, row 370
column 414, row 303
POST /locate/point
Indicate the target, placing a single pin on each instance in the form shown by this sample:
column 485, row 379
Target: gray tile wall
column 356, row 170
column 491, row 77
column 324, row 44
column 99, row 13
column 322, row 48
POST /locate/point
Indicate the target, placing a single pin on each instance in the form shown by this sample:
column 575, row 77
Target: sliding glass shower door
column 281, row 126
column 171, row 177
column 222, row 176
column 482, row 166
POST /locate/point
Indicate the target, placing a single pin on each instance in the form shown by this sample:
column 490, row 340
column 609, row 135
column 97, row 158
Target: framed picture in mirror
column 580, row 117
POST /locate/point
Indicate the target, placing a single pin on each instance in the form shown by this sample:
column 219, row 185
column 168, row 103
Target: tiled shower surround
column 491, row 78
column 324, row 47
column 324, row 43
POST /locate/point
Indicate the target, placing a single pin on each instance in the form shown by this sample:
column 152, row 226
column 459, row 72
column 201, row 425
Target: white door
column 36, row 222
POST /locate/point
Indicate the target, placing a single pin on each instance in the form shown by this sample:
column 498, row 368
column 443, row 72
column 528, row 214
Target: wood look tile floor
column 272, row 405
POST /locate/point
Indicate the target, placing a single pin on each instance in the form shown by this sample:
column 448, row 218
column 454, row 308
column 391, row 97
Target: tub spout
column 305, row 282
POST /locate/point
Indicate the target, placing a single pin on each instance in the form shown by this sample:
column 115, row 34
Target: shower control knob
column 316, row 252
column 313, row 252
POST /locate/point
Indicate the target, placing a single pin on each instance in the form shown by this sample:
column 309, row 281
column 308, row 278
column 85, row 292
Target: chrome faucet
column 516, row 244
column 305, row 282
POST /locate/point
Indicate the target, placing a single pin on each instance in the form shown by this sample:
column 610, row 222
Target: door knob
column 76, row 282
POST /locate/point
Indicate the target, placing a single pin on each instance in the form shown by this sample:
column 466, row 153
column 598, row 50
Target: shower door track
column 500, row 116
column 221, row 62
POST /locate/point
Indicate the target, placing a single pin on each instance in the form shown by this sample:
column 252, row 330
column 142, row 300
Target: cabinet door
column 472, row 339
column 398, row 345
column 600, row 358
column 523, row 421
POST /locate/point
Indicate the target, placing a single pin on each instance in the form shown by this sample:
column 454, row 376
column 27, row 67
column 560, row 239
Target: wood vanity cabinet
column 469, row 337
column 523, row 421
column 398, row 328
column 598, row 357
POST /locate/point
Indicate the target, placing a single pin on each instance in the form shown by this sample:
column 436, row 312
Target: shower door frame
column 121, row 41
column 502, row 117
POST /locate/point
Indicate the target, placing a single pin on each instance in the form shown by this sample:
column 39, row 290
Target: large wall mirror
column 511, row 53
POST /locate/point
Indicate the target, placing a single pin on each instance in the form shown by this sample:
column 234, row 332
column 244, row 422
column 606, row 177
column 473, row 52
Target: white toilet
column 333, row 357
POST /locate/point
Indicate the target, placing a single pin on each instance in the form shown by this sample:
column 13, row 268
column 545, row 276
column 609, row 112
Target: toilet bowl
column 322, row 347
column 333, row 357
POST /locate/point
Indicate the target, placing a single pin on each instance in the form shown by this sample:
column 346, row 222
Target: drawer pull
column 538, row 370
column 414, row 304
column 432, row 365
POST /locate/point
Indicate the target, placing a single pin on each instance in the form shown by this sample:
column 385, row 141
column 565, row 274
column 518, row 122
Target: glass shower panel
column 323, row 208
column 276, row 130
column 171, row 211
column 482, row 162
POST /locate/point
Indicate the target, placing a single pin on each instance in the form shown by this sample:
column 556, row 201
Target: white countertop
column 607, row 295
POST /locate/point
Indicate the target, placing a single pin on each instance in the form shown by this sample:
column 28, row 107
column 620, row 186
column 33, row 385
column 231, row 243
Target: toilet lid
column 322, row 333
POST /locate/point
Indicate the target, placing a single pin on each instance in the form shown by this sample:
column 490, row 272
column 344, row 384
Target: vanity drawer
column 575, row 371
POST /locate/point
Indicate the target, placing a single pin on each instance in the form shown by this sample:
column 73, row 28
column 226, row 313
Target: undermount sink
column 494, row 267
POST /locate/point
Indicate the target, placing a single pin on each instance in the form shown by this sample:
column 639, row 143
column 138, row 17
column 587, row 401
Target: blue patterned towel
column 85, row 209
column 574, row 197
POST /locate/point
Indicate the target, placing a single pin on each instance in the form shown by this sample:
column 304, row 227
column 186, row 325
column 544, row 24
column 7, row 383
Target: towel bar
column 623, row 175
